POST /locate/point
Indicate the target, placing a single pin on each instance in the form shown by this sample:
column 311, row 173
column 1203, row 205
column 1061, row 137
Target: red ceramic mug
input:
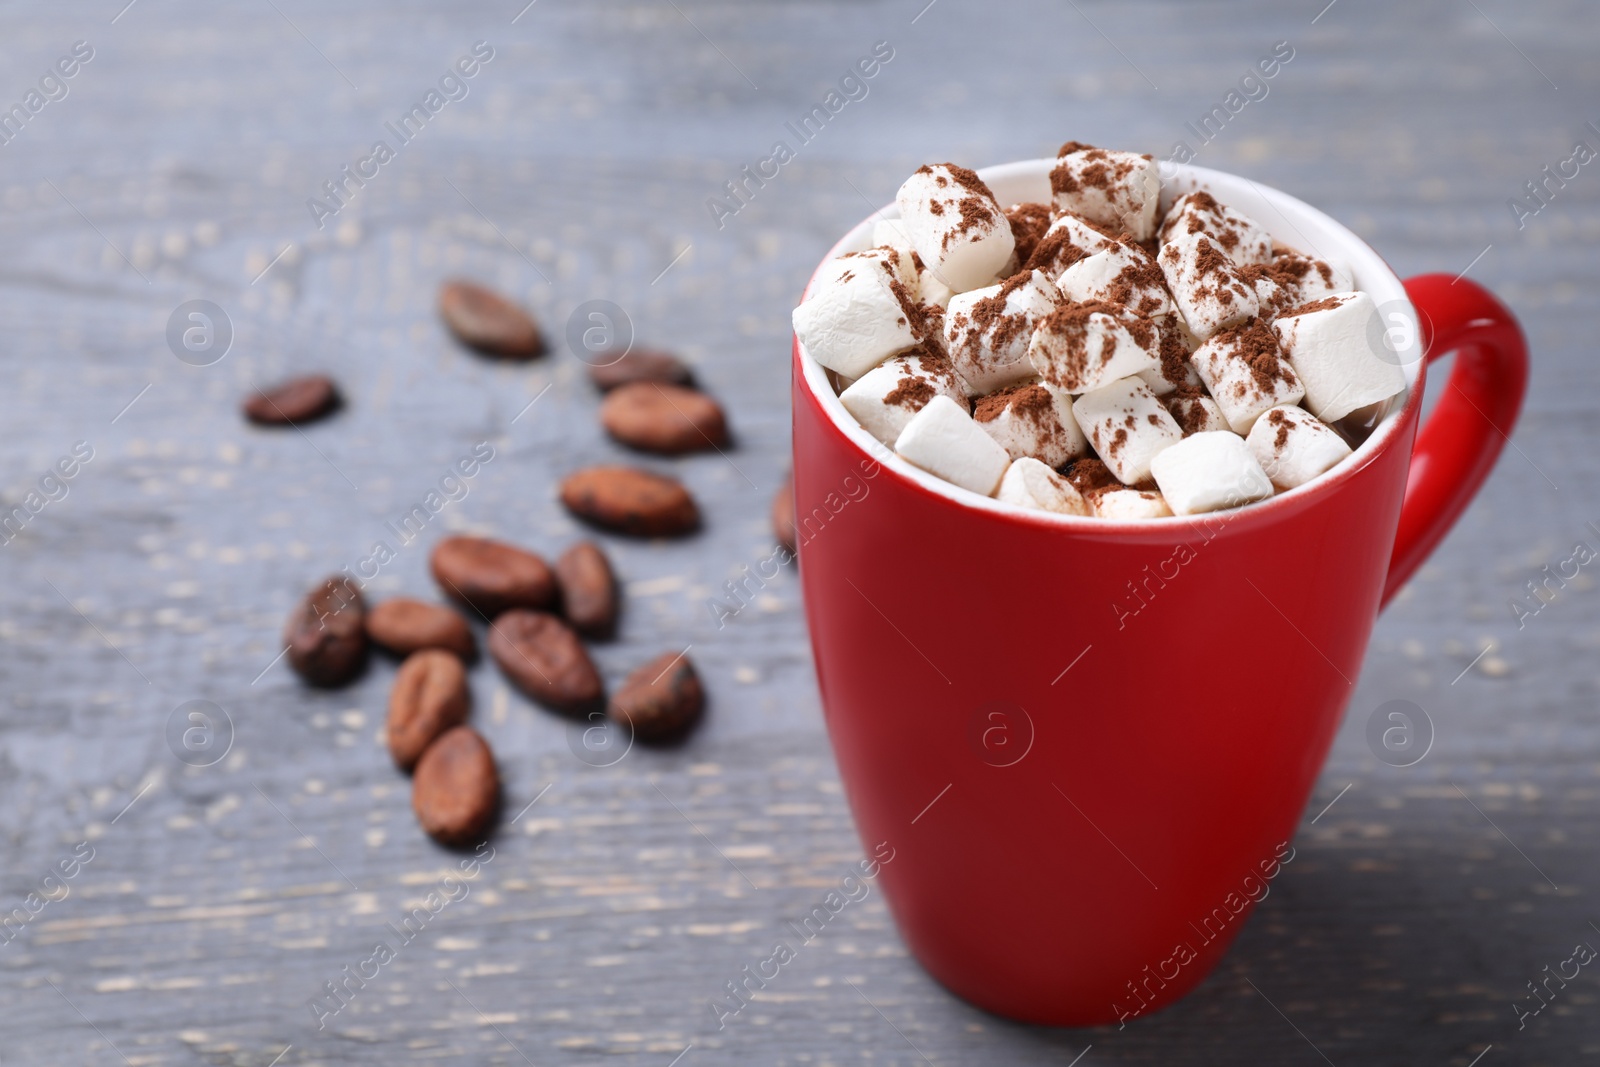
column 1090, row 743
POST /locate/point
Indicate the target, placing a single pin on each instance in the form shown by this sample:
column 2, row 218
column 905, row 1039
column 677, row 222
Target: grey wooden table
column 176, row 164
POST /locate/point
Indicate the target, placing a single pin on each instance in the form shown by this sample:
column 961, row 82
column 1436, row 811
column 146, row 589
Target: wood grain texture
column 578, row 168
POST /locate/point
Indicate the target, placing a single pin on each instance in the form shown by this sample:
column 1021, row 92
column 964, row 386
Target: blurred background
column 185, row 159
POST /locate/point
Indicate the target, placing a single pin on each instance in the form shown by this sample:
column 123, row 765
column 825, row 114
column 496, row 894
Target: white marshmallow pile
column 1130, row 365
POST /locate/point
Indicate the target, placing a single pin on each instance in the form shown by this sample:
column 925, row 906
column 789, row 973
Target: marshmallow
column 1127, row 426
column 1293, row 446
column 986, row 331
column 943, row 440
column 860, row 314
column 925, row 288
column 1195, row 412
column 1174, row 326
column 893, row 247
column 1068, row 240
column 1208, row 289
column 1087, row 475
column 955, row 225
column 1080, row 347
column 1029, row 222
column 1030, row 484
column 1120, row 190
column 1309, row 277
column 1157, row 381
column 1174, row 371
column 930, row 290
column 1246, row 373
column 1292, row 279
column 1240, row 238
column 1033, row 421
column 1129, row 505
column 1208, row 472
column 885, row 398
column 1122, row 274
column 1331, row 345
column 932, row 318
column 895, row 262
column 1272, row 299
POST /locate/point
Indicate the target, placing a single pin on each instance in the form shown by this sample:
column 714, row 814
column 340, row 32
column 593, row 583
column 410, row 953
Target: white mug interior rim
column 1290, row 221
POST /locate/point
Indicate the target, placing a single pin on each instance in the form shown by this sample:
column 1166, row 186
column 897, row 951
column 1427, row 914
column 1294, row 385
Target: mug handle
column 1458, row 444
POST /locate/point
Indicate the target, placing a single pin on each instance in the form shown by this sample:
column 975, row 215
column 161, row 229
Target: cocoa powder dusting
column 1088, row 474
column 1054, row 253
column 1288, row 270
column 1174, row 358
column 1281, row 293
column 1258, row 347
column 1032, row 402
column 1225, row 230
column 991, row 407
column 1327, row 303
column 1062, row 179
column 1028, row 223
column 1070, row 323
column 1097, row 175
column 1100, row 228
column 1204, row 215
column 1108, row 348
column 977, row 216
column 1141, row 329
column 1211, row 264
column 990, row 317
column 1187, row 411
column 1209, row 260
column 1078, row 314
column 911, row 392
column 1140, row 285
column 915, row 314
column 1284, row 425
column 969, row 180
column 934, row 363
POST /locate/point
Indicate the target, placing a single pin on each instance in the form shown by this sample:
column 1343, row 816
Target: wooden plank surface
column 218, row 899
